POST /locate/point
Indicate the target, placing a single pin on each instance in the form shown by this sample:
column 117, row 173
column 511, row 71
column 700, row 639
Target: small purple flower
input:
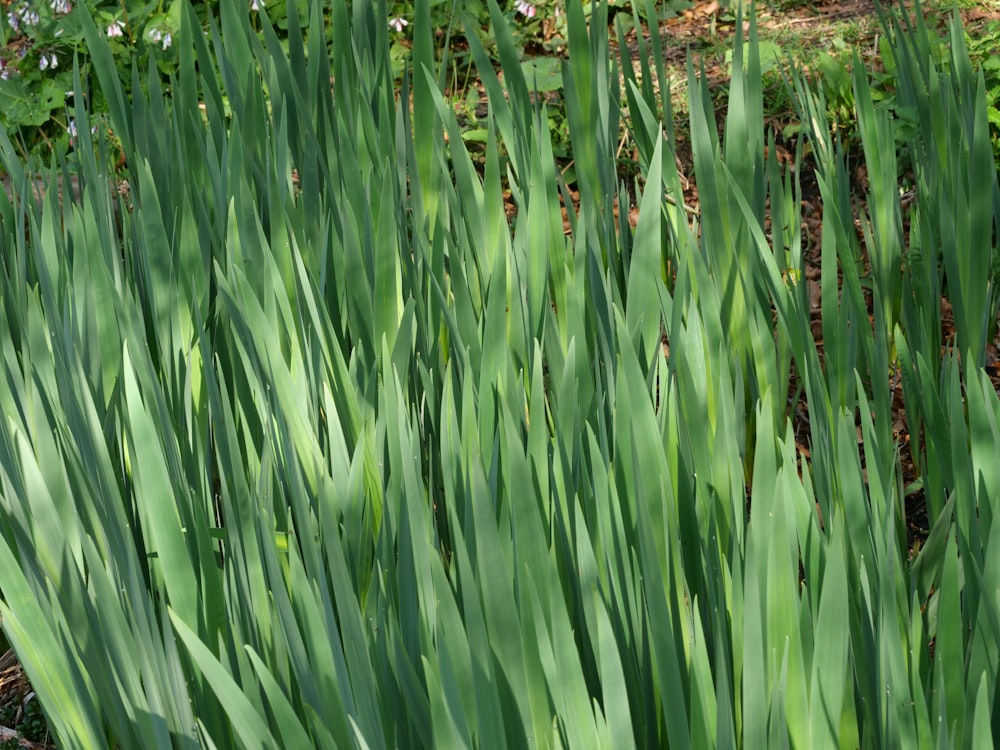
column 525, row 8
column 30, row 17
column 398, row 23
column 116, row 29
column 60, row 7
column 48, row 61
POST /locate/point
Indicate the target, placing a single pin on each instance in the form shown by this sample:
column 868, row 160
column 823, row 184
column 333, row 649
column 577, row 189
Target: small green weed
column 31, row 723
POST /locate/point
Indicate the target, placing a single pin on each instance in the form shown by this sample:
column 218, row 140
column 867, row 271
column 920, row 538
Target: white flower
column 158, row 36
column 525, row 8
column 117, row 28
column 255, row 5
column 398, row 23
column 73, row 131
column 60, row 7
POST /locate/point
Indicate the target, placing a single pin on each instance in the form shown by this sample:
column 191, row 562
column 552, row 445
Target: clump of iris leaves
column 309, row 441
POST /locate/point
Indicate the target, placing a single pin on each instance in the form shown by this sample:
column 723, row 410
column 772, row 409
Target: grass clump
column 311, row 438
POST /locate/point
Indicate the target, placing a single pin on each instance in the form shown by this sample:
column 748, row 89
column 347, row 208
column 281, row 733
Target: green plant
column 321, row 448
column 984, row 52
column 41, row 39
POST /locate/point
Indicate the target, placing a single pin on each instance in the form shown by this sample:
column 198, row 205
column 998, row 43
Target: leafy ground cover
column 378, row 425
